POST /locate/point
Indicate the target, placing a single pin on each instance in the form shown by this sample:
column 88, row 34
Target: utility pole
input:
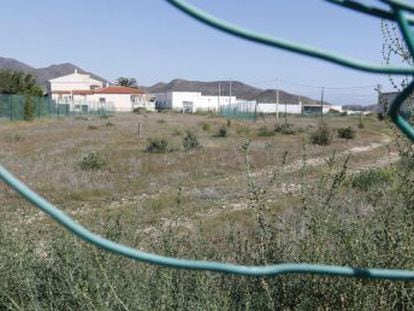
column 230, row 91
column 322, row 94
column 277, row 98
column 219, row 93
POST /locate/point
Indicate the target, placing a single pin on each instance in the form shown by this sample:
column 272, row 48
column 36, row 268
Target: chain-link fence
column 242, row 110
column 26, row 107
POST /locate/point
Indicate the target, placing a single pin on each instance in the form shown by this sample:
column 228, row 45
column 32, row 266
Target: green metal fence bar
column 404, row 22
column 123, row 250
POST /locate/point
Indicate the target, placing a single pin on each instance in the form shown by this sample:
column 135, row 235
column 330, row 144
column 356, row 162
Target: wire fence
column 26, row 107
column 241, row 110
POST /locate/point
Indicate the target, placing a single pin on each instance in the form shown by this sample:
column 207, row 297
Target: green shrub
column 177, row 132
column 285, row 128
column 265, row 132
column 322, row 136
column 109, row 124
column 92, row 161
column 206, row 126
column 223, row 131
column 346, row 132
column 228, row 122
column 367, row 179
column 380, row 116
column 243, row 130
column 190, row 141
column 139, row 110
column 343, row 114
column 157, row 145
column 92, row 127
column 29, row 108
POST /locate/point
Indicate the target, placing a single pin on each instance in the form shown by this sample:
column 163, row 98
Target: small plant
column 343, row 114
column 190, row 141
column 157, row 145
column 206, row 126
column 285, row 129
column 104, row 116
column 265, row 132
column 161, row 121
column 109, row 124
column 92, row 127
column 243, row 130
column 361, row 125
column 92, row 161
column 82, row 118
column 228, row 122
column 177, row 132
column 16, row 138
column 322, row 136
column 346, row 132
column 139, row 110
column 369, row 178
column 223, row 131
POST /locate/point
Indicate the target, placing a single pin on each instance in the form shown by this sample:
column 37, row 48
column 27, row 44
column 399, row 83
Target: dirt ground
column 209, row 183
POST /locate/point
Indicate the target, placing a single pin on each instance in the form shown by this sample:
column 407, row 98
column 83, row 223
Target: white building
column 191, row 101
column 74, row 81
column 80, row 92
column 195, row 101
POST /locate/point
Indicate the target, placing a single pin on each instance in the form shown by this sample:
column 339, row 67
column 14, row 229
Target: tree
column 18, row 82
column 128, row 82
column 29, row 108
column 395, row 50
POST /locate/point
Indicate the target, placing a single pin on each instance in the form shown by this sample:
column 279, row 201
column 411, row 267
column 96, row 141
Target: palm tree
column 128, row 82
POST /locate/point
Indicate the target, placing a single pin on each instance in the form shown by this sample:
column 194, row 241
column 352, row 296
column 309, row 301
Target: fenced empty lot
column 232, row 190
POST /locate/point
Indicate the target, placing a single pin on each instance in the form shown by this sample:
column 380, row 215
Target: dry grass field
column 212, row 179
column 251, row 197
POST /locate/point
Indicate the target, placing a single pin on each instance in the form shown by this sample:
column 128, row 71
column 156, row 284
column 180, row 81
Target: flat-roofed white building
column 191, row 101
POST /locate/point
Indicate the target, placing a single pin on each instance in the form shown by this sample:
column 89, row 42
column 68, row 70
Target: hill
column 239, row 89
column 42, row 75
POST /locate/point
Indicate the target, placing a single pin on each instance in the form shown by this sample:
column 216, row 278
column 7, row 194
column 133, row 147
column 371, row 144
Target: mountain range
column 238, row 89
column 43, row 75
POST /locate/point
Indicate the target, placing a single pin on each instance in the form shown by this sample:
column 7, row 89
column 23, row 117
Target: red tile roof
column 118, row 90
column 75, row 92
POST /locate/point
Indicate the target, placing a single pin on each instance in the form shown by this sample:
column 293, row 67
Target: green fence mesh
column 26, row 107
column 243, row 110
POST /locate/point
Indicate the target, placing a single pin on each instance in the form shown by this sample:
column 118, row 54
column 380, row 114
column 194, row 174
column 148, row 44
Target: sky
column 152, row 42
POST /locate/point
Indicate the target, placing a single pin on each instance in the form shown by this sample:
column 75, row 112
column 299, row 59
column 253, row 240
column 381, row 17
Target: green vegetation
column 285, row 128
column 264, row 131
column 223, row 131
column 346, row 132
column 17, row 82
column 29, row 108
column 126, row 82
column 206, row 126
column 92, row 161
column 157, row 145
column 322, row 136
column 190, row 141
column 241, row 200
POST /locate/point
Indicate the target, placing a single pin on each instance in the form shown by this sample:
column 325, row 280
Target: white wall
column 195, row 100
column 273, row 108
column 74, row 81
